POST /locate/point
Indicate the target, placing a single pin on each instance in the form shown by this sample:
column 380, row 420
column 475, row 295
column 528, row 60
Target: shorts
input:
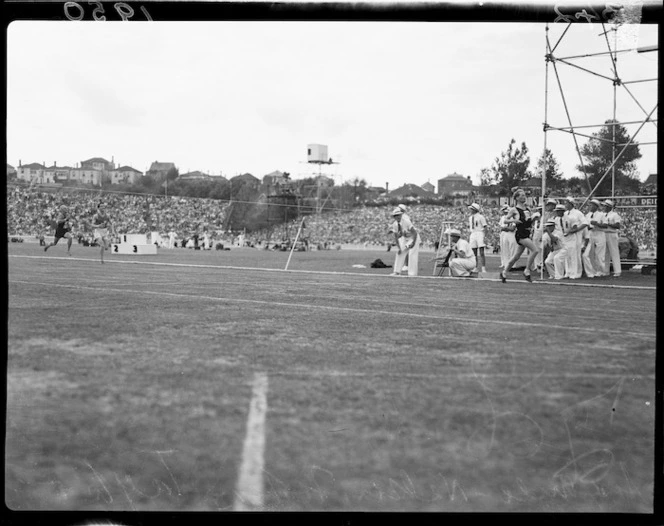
column 477, row 240
column 61, row 232
column 101, row 233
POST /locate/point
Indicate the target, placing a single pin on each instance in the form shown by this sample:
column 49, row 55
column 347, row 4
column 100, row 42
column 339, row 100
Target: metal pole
column 617, row 157
column 615, row 87
column 294, row 242
column 545, row 166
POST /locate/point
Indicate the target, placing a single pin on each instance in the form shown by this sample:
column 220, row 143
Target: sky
column 395, row 103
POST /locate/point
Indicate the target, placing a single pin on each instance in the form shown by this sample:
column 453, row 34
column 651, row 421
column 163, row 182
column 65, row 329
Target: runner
column 62, row 229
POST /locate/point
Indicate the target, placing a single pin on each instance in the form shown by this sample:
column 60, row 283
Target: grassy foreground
column 128, row 386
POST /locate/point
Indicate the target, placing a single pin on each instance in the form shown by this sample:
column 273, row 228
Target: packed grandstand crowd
column 369, row 226
column 31, row 213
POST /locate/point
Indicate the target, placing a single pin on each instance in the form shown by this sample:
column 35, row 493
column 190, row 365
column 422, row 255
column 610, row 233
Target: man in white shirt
column 462, row 260
column 611, row 225
column 478, row 228
column 406, row 217
column 557, row 256
column 507, row 239
column 407, row 241
column 574, row 222
column 594, row 255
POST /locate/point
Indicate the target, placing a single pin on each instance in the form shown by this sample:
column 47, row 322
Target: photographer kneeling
column 462, row 259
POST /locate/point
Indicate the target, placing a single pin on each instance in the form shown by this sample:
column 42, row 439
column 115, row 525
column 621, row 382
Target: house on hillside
column 58, row 174
column 277, row 183
column 454, row 184
column 374, row 192
column 125, row 175
column 410, row 190
column 11, row 172
column 196, row 174
column 32, row 173
column 246, row 178
column 86, row 176
column 98, row 163
column 159, row 170
column 429, row 187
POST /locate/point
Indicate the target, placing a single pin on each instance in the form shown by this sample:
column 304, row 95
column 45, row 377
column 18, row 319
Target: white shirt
column 594, row 216
column 573, row 218
column 403, row 228
column 612, row 217
column 463, row 247
column 477, row 222
column 548, row 241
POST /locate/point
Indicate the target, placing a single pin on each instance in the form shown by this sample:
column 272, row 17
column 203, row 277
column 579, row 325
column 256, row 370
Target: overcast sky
column 394, row 102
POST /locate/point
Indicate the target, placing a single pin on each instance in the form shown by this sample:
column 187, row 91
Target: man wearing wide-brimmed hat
column 462, row 261
column 611, row 225
column 574, row 222
column 557, row 256
column 407, row 241
column 478, row 229
column 594, row 255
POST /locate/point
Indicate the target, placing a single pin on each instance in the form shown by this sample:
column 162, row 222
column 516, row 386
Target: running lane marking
column 249, row 491
column 342, row 273
column 342, row 309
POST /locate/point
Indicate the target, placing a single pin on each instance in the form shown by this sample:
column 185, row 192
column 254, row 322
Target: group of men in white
column 572, row 242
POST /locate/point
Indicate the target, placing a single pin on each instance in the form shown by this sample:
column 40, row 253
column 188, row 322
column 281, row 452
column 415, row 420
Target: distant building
column 275, row 177
column 429, row 187
column 410, row 190
column 58, row 174
column 247, row 179
column 159, row 170
column 86, row 176
column 196, row 174
column 454, row 184
column 125, row 175
column 11, row 172
column 32, row 173
column 97, row 163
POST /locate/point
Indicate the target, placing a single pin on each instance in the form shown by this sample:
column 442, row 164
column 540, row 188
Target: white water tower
column 317, row 153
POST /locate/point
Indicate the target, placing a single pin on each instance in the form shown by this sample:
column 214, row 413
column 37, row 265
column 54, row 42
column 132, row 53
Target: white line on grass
column 342, row 273
column 249, row 491
column 343, row 309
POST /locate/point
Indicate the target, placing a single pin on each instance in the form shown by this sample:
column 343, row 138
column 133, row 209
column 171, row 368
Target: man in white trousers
column 507, row 239
column 405, row 217
column 462, row 260
column 574, row 222
column 478, row 228
column 611, row 225
column 594, row 254
column 407, row 241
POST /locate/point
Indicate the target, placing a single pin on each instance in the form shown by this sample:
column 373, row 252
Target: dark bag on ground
column 379, row 264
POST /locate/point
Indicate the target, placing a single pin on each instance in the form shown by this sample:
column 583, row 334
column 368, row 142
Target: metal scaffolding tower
column 611, row 53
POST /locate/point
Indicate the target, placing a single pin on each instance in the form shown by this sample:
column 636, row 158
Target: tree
column 487, row 177
column 554, row 177
column 172, row 174
column 511, row 168
column 598, row 153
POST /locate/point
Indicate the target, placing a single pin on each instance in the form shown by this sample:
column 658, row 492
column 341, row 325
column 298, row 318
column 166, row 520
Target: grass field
column 130, row 386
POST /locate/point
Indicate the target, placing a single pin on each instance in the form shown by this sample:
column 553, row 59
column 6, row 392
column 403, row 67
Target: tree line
column 512, row 167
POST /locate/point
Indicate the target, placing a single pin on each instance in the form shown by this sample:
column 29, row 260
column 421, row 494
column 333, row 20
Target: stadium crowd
column 31, row 212
column 369, row 226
